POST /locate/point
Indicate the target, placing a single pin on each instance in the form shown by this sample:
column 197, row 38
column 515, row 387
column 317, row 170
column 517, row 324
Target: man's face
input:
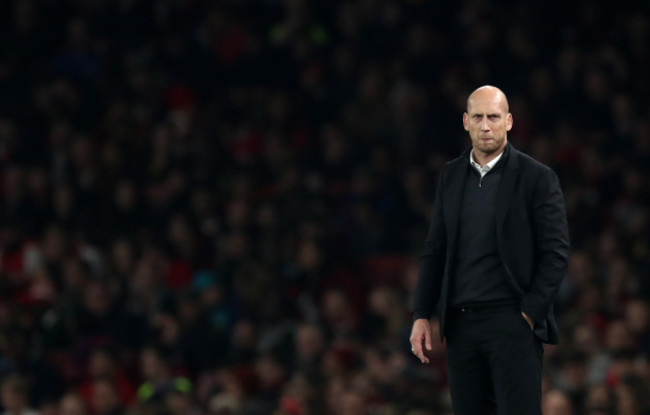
column 487, row 120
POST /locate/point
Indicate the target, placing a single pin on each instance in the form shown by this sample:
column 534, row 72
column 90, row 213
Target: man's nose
column 484, row 125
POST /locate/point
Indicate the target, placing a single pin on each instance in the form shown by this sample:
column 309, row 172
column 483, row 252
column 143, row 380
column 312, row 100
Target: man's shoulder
column 528, row 163
column 461, row 160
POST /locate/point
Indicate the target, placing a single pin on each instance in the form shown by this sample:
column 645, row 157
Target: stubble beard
column 488, row 149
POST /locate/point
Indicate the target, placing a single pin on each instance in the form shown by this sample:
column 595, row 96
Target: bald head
column 489, row 93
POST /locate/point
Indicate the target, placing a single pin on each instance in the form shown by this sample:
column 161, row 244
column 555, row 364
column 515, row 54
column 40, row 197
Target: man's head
column 487, row 120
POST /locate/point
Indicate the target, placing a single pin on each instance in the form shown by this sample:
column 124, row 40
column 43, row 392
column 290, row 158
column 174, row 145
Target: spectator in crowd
column 14, row 393
column 600, row 400
column 105, row 399
column 101, row 364
column 556, row 402
column 72, row 404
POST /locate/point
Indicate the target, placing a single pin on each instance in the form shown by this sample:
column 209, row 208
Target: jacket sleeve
column 551, row 234
column 432, row 262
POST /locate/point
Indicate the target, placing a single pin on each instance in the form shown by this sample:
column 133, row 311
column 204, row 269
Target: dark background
column 217, row 207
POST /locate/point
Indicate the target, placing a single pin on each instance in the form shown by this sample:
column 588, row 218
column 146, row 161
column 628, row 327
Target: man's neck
column 482, row 158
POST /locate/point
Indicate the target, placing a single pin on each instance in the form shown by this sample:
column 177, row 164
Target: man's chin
column 488, row 150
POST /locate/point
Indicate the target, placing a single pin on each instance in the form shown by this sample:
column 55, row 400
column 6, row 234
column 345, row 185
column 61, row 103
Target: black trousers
column 495, row 362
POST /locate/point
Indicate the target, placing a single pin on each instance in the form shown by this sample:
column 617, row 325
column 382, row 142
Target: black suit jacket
column 532, row 237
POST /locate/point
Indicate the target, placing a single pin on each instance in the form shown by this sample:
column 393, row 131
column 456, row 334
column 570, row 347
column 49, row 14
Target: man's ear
column 509, row 122
column 465, row 121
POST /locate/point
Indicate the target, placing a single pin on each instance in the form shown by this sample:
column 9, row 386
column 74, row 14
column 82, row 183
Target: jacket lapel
column 454, row 198
column 507, row 185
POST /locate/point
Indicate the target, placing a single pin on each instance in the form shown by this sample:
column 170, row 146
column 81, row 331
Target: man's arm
column 551, row 235
column 432, row 261
column 427, row 290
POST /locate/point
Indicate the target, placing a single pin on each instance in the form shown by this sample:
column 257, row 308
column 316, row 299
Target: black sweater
column 479, row 274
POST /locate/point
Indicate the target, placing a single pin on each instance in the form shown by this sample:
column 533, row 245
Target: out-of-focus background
column 217, row 207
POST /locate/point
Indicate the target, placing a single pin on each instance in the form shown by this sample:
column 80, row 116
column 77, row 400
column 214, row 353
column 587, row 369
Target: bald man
column 492, row 262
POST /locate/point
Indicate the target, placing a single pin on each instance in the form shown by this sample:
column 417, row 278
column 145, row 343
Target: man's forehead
column 482, row 108
column 493, row 104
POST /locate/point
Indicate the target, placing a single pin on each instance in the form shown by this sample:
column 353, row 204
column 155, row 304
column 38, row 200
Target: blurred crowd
column 217, row 207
